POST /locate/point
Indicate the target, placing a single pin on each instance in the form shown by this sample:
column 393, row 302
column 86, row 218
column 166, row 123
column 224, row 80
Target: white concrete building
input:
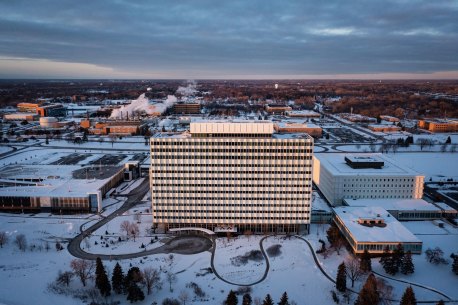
column 372, row 176
column 232, row 176
column 373, row 229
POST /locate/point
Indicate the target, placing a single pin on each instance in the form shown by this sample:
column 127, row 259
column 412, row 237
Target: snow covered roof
column 335, row 163
column 394, row 204
column 50, row 181
column 393, row 232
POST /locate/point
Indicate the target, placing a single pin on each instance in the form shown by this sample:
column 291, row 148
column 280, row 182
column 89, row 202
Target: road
column 134, row 197
column 181, row 244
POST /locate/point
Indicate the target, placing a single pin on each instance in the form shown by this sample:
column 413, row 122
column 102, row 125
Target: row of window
column 232, row 192
column 251, row 165
column 232, row 212
column 232, row 157
column 234, row 178
column 227, row 198
column 234, row 218
column 227, row 185
column 253, row 205
column 231, row 135
column 381, row 185
column 242, row 150
column 178, row 142
column 381, row 179
column 159, row 171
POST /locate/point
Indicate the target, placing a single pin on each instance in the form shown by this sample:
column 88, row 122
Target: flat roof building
column 231, row 174
column 407, row 209
column 56, row 188
column 439, row 125
column 373, row 229
column 287, row 127
column 371, row 176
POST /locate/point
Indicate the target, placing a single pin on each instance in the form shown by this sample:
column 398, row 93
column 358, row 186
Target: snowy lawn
column 445, row 281
column 111, row 239
column 239, row 260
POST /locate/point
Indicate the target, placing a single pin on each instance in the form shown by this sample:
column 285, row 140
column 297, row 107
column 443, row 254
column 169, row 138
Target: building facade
column 338, row 179
column 232, row 177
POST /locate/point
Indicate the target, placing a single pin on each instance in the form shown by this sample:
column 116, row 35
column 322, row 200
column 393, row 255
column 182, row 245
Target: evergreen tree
column 385, row 256
column 101, row 278
column 246, row 299
column 365, row 264
column 117, row 279
column 284, row 299
column 134, row 293
column 341, row 279
column 408, row 298
column 449, row 140
column 440, row 303
column 133, row 276
column 231, row 299
column 397, row 256
column 455, row 264
column 369, row 294
column 268, row 300
column 407, row 266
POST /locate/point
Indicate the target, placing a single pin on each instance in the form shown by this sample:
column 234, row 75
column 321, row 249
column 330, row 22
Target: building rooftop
column 393, row 232
column 53, row 180
column 336, row 164
column 396, row 204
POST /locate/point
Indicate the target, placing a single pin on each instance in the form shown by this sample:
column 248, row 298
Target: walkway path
column 232, row 283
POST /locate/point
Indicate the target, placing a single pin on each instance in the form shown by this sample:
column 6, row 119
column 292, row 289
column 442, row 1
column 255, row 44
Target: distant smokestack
column 127, row 117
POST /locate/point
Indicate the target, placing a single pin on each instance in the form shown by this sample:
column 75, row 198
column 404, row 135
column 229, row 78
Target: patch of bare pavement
column 188, row 244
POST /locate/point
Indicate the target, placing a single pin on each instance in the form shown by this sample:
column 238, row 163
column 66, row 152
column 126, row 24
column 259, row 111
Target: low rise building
column 373, row 229
column 56, row 188
column 277, row 108
column 389, row 118
column 186, row 108
column 407, row 209
column 311, row 129
column 303, row 114
column 114, row 127
column 371, row 176
column 384, row 128
column 439, row 125
column 21, row 116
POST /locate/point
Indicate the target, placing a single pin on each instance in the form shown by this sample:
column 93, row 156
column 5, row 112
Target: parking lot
column 71, row 159
column 109, row 160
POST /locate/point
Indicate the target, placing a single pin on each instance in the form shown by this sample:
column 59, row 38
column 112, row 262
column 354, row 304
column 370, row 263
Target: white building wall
column 219, row 181
column 336, row 187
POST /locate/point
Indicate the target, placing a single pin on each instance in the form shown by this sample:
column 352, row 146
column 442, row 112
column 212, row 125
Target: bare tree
column 138, row 217
column 385, row 291
column 47, row 246
column 444, row 147
column 124, row 227
column 338, row 244
column 134, row 231
column 453, row 148
column 3, row 238
column 183, row 296
column 64, row 278
column 353, row 270
column 82, row 269
column 21, row 242
column 151, row 279
column 171, row 278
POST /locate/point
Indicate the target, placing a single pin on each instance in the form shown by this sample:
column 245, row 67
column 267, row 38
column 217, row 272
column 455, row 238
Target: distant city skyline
column 229, row 40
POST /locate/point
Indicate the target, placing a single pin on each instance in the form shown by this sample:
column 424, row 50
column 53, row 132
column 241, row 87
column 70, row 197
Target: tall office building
column 232, row 176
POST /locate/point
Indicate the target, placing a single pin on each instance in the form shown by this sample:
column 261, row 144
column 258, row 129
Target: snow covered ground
column 292, row 270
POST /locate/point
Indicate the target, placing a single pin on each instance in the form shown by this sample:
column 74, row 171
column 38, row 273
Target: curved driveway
column 180, row 244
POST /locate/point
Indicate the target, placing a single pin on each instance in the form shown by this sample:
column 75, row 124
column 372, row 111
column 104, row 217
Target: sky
column 238, row 39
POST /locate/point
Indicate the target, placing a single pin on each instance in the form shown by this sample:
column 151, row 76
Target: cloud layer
column 213, row 39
